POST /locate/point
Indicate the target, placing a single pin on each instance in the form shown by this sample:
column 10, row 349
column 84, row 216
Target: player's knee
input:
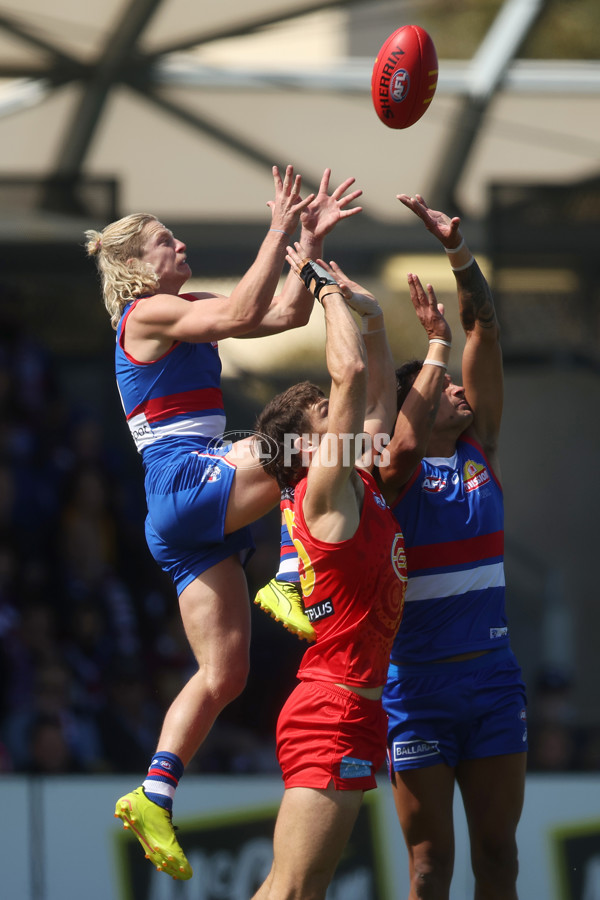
column 496, row 862
column 229, row 682
column 431, row 877
column 238, row 678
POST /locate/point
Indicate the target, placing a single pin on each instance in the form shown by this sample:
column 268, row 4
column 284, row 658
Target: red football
column 404, row 77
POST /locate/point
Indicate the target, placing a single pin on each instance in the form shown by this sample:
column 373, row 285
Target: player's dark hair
column 285, row 414
column 405, row 378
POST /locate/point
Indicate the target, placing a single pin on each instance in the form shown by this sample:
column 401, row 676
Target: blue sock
column 163, row 777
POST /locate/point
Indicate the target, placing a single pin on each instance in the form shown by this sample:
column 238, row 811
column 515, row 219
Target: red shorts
column 327, row 734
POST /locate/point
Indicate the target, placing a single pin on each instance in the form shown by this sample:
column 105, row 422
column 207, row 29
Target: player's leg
column 281, row 597
column 312, row 829
column 423, row 706
column 492, row 776
column 493, row 790
column 215, row 611
column 253, row 493
column 424, row 804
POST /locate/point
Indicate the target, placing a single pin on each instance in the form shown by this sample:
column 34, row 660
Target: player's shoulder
column 470, row 441
column 202, row 295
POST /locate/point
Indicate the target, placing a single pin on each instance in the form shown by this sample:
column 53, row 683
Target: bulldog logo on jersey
column 474, row 475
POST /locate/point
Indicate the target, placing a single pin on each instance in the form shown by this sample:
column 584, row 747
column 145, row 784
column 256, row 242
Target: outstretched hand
column 326, row 210
column 296, row 256
column 357, row 297
column 288, row 204
column 445, row 229
column 430, row 313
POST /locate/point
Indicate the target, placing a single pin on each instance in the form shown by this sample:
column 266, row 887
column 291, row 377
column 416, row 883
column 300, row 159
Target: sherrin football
column 404, row 77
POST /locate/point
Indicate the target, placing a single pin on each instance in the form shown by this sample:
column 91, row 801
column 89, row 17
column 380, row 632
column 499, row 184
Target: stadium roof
column 181, row 108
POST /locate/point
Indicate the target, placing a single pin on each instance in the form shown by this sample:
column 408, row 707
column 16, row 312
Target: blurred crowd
column 91, row 646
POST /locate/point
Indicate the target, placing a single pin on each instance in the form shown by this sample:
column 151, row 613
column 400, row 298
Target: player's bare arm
column 482, row 358
column 416, row 417
column 380, row 413
column 331, row 505
column 482, row 373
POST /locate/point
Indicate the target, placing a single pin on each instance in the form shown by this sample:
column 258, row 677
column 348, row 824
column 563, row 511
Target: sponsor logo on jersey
column 320, row 610
column 496, row 633
column 434, row 485
column 415, row 749
column 141, row 431
column 474, row 475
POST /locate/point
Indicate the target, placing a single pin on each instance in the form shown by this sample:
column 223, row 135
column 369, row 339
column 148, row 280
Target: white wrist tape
column 435, row 362
column 455, row 249
column 464, row 266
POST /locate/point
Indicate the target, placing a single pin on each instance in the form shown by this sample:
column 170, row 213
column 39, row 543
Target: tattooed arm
column 482, row 356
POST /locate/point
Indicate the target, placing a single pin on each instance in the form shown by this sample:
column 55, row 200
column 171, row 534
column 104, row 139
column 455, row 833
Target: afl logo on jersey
column 399, row 557
column 379, row 500
column 212, row 474
column 434, row 485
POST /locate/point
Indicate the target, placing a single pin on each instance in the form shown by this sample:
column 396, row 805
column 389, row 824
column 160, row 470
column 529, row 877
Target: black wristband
column 313, row 274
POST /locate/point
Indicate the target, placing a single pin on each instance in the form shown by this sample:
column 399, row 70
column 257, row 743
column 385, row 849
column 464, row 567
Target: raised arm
column 380, row 412
column 330, row 504
column 482, row 357
column 168, row 317
column 420, row 400
column 292, row 308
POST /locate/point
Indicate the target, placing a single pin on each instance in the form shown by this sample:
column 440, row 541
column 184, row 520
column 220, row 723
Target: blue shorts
column 185, row 525
column 447, row 712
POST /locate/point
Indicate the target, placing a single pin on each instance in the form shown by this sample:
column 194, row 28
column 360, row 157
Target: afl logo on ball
column 399, row 85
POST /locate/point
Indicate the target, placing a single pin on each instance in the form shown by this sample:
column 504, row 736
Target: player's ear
column 305, row 445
